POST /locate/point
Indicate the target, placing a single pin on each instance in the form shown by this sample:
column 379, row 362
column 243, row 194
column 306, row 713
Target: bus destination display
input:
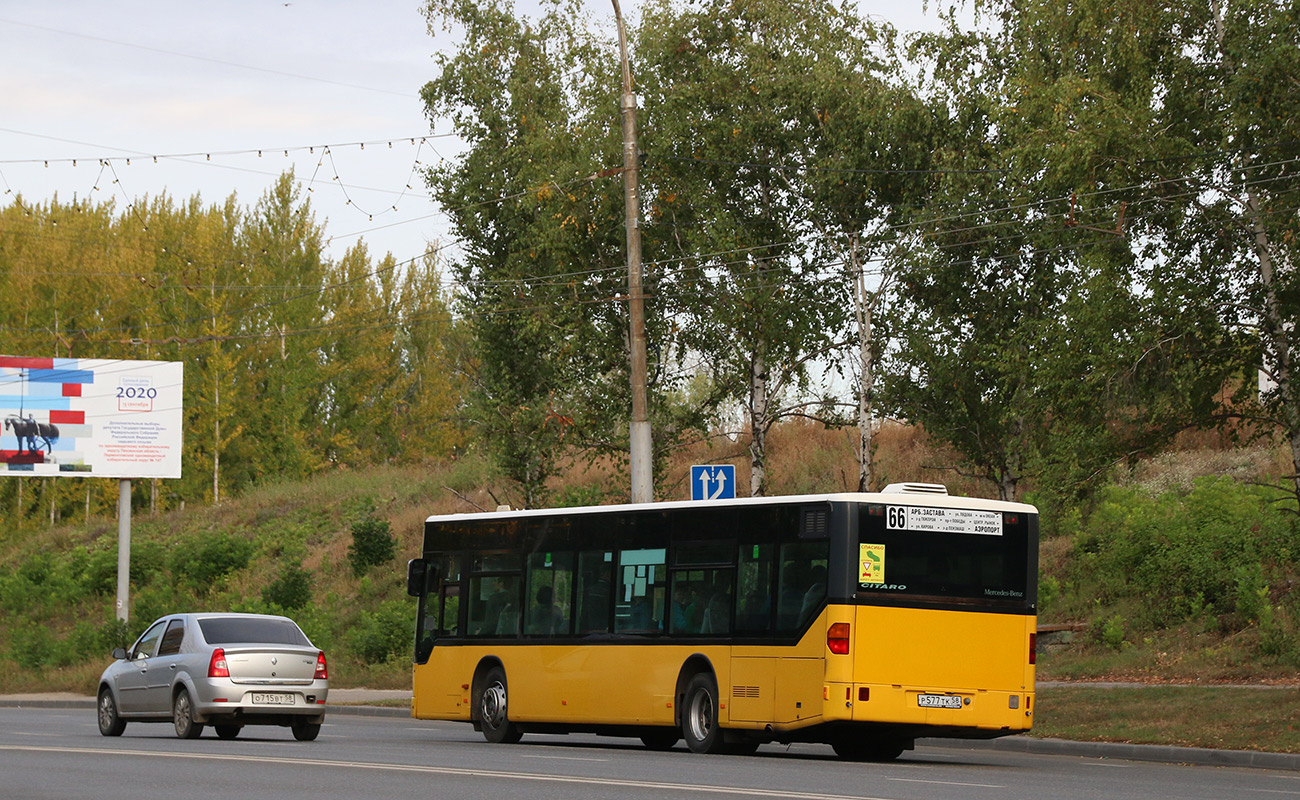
column 929, row 519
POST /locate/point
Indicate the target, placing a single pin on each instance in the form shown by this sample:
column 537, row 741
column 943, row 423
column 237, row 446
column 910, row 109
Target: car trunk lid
column 279, row 665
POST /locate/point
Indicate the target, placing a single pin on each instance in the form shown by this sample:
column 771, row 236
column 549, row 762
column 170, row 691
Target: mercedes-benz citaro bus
column 862, row 621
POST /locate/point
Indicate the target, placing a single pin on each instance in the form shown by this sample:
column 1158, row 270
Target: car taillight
column 837, row 638
column 217, row 667
column 322, row 673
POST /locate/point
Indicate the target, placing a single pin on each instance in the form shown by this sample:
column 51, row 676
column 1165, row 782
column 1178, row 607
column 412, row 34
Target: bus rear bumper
column 982, row 712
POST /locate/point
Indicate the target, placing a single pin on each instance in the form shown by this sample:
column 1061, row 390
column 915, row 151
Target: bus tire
column 494, row 710
column 700, row 716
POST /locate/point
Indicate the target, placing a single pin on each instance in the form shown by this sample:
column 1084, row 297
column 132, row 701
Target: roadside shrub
column 199, row 562
column 1208, row 549
column 1108, row 632
column 383, row 634
column 590, row 494
column 31, row 645
column 99, row 573
column 372, row 544
column 291, row 590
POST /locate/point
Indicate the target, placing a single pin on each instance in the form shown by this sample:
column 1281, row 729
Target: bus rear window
column 965, row 556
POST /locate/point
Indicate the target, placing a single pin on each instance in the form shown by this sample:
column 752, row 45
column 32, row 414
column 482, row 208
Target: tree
column 756, row 113
column 1042, row 337
column 538, row 219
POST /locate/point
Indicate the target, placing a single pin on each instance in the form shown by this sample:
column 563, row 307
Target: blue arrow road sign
column 713, row 482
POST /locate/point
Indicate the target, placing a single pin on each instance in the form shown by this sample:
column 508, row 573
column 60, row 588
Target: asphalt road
column 58, row 753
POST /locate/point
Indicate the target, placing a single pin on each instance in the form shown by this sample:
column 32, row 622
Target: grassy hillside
column 280, row 548
column 1180, row 571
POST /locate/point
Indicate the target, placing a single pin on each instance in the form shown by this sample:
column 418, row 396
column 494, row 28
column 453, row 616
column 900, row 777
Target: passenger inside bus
column 545, row 618
column 815, row 594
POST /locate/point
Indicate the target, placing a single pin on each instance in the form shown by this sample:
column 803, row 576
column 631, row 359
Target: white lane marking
column 948, row 783
column 467, row 773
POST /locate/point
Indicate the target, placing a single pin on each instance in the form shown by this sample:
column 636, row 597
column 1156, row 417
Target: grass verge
column 1223, row 718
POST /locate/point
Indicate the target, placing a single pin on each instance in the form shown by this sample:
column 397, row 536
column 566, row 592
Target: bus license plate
column 272, row 699
column 938, row 701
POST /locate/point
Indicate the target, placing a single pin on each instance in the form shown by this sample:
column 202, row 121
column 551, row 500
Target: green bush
column 200, row 562
column 1184, row 554
column 383, row 634
column 291, row 590
column 31, row 644
column 372, row 544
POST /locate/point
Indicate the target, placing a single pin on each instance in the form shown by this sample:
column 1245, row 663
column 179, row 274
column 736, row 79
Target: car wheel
column 110, row 722
column 183, row 717
column 494, row 711
column 226, row 731
column 306, row 731
column 700, row 717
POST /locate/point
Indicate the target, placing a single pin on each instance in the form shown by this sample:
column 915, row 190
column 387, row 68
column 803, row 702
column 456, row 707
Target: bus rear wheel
column 494, row 711
column 700, row 716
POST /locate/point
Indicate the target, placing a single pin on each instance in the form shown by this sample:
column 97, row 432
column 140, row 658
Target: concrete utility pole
column 124, row 550
column 641, row 443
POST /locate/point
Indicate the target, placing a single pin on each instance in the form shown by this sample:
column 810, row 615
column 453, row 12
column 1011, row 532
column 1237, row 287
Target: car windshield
column 247, row 630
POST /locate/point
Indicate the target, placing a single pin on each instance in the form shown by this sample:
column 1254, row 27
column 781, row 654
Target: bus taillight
column 837, row 639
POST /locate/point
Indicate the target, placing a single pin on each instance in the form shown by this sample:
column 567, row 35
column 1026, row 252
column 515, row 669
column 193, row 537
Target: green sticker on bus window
column 871, row 558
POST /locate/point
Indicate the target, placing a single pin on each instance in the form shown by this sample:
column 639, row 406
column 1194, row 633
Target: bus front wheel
column 494, row 711
column 700, row 716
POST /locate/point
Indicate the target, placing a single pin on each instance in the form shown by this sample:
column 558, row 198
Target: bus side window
column 754, row 587
column 594, row 590
column 494, row 605
column 803, row 583
column 450, row 611
column 550, row 585
column 716, row 599
column 640, row 605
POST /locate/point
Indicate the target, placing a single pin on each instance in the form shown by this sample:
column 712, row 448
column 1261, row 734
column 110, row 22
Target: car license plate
column 938, row 701
column 272, row 699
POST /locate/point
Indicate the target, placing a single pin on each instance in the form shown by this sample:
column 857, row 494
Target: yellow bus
column 862, row 621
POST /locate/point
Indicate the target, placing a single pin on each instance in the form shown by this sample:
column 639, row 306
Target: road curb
column 1165, row 754
column 1199, row 756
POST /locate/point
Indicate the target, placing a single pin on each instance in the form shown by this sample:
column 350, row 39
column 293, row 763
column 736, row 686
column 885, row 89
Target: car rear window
column 243, row 630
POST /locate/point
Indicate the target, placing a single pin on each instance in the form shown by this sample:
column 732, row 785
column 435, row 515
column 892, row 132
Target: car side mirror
column 119, row 653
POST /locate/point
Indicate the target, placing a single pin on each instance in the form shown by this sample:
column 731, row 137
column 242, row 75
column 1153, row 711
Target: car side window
column 171, row 640
column 145, row 646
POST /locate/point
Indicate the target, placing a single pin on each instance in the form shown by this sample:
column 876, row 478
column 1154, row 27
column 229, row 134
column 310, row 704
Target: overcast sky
column 211, row 84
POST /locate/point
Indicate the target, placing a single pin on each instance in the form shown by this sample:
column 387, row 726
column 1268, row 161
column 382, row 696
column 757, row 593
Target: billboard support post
column 123, row 549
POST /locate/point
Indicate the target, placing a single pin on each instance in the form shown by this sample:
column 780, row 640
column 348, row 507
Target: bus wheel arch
column 697, row 664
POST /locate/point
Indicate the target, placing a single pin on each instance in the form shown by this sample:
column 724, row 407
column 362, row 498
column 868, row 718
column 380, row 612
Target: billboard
column 90, row 418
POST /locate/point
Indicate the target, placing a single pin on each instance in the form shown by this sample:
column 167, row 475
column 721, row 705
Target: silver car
column 223, row 670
